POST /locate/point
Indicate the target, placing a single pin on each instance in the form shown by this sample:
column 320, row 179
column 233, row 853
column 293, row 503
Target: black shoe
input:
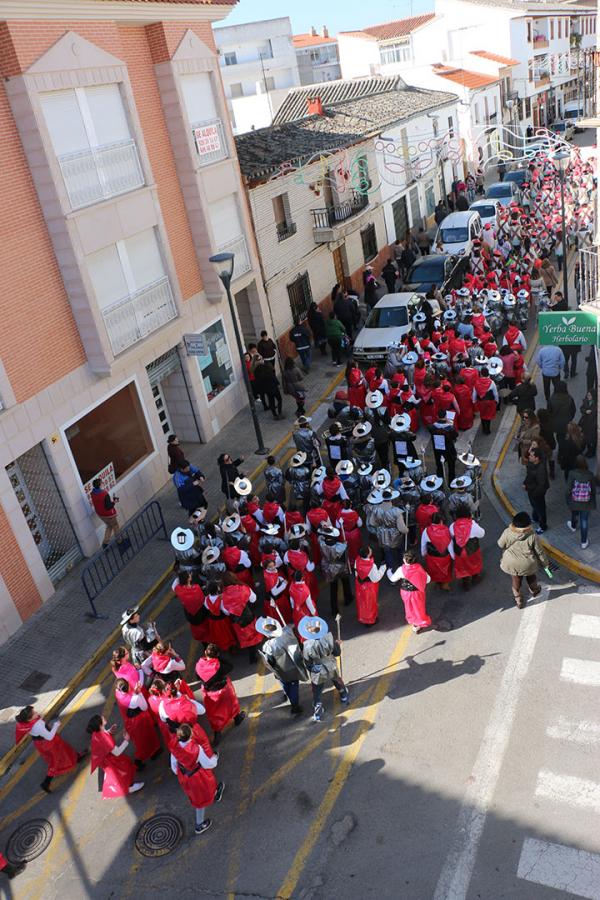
column 139, row 764
column 204, row 826
column 45, row 785
column 157, row 754
column 219, row 793
column 81, row 756
column 295, row 710
column 239, row 718
column 216, row 739
column 13, row 870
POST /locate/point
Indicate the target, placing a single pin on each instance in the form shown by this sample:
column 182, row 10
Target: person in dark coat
column 536, row 484
column 188, row 481
column 591, row 371
column 588, row 422
column 175, row 453
column 270, row 387
column 344, row 310
column 524, row 395
column 316, row 323
column 562, row 409
column 370, row 288
column 228, row 468
column 300, row 337
column 390, row 274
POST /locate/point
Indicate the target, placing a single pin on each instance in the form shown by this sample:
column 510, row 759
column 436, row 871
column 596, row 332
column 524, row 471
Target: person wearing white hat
column 367, row 578
column 364, row 472
column 213, row 566
column 298, row 476
column 389, row 526
column 372, row 501
column 139, row 638
column 274, row 480
column 306, row 440
column 283, row 656
column 187, row 549
column 437, row 551
column 319, row 651
column 334, row 565
column 336, row 443
column 403, row 440
column 350, row 480
column 362, row 445
column 460, row 495
column 242, row 487
column 466, row 534
column 443, row 439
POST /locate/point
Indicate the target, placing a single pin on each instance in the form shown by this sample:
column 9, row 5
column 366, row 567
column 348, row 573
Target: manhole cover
column 34, row 682
column 29, row 841
column 159, row 835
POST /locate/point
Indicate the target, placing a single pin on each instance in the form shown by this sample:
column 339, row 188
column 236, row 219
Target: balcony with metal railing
column 210, row 140
column 135, row 317
column 285, row 230
column 241, row 262
column 101, row 172
column 328, row 221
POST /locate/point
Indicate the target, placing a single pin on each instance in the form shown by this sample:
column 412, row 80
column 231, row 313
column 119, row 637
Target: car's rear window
column 426, row 272
column 454, row 235
column 487, row 212
column 501, row 190
column 387, row 317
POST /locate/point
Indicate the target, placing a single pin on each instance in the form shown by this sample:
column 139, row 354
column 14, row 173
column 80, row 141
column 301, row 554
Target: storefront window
column 215, row 366
column 113, row 434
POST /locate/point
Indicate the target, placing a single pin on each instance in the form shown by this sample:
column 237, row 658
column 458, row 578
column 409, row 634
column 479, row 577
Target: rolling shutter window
column 198, row 98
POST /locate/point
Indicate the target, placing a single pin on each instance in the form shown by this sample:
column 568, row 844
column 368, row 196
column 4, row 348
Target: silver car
column 386, row 324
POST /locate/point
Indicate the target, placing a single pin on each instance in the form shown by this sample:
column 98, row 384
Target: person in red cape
column 166, row 662
column 298, row 560
column 277, row 595
column 252, row 529
column 315, row 517
column 349, row 522
column 9, row 869
column 466, row 534
column 413, row 581
column 238, row 601
column 357, row 387
column 469, row 375
column 219, row 626
column 218, row 693
column 437, row 551
column 138, row 722
column 157, row 692
column 191, row 597
column 424, row 514
column 122, row 667
column 119, row 769
column 192, row 759
column 59, row 756
column 177, row 706
column 301, row 599
column 464, row 399
column 237, row 561
column 293, row 516
column 333, row 493
column 271, row 512
column 485, row 398
column 368, row 576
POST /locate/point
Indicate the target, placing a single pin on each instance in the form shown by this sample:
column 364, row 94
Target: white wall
column 358, row 56
column 255, row 111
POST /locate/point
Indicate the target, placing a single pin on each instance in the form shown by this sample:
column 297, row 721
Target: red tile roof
column 197, row 2
column 311, row 40
column 495, row 57
column 389, row 30
column 464, row 77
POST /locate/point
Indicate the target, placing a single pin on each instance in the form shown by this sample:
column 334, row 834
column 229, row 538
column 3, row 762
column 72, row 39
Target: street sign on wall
column 207, row 138
column 569, row 327
column 195, row 344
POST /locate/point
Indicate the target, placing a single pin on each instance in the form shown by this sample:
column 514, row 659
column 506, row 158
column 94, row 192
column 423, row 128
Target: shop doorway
column 400, row 213
column 340, row 265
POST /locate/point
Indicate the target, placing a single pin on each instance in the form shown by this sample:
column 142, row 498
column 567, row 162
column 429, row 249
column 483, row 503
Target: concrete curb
column 67, row 692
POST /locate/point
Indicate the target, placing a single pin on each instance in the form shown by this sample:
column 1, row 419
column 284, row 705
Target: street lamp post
column 560, row 158
column 223, row 263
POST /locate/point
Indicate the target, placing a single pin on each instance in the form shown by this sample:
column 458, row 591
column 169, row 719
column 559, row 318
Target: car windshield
column 387, row 317
column 499, row 190
column 454, row 235
column 571, row 113
column 518, row 177
column 426, row 272
column 487, row 212
column 559, row 126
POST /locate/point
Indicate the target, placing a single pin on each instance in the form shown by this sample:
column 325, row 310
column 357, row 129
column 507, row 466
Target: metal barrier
column 107, row 564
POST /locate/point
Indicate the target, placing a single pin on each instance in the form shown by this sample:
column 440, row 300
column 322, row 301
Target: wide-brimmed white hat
column 270, row 528
column 298, row 459
column 297, row 531
column 494, row 365
column 400, row 422
column 329, row 531
column 469, row 459
column 199, row 515
column 438, row 356
column 463, row 292
column 268, row 626
column 365, row 468
column 389, row 494
column 381, row 478
column 210, row 555
column 410, row 358
column 242, row 486
column 231, row 523
column 345, row 467
column 449, row 315
column 374, row 399
column 431, row 483
column 129, row 612
column 318, row 474
column 361, row 430
column 375, row 497
column 312, row 628
column 461, row 483
column 182, row 539
column 523, row 294
column 419, row 317
column 303, row 420
column 411, row 463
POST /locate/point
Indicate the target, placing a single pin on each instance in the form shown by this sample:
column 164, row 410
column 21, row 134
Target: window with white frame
column 132, row 288
column 215, row 364
column 228, row 232
column 92, row 140
column 204, row 118
column 396, row 52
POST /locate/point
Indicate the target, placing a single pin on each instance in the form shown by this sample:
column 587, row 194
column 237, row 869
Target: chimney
column 313, row 31
column 324, row 31
column 315, row 106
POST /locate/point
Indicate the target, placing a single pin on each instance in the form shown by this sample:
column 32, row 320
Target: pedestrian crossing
column 546, row 863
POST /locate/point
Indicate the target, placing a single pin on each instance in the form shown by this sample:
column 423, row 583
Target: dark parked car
column 446, row 272
column 519, row 176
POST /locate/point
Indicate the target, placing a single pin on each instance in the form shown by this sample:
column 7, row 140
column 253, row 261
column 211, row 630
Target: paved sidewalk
column 60, row 638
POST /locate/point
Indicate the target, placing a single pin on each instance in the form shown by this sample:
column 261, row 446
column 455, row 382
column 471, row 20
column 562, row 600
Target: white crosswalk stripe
column 581, row 671
column 585, row 626
column 562, row 868
column 580, row 732
column 568, row 789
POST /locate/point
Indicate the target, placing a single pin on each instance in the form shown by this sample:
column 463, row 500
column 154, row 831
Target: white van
column 457, row 231
column 572, row 112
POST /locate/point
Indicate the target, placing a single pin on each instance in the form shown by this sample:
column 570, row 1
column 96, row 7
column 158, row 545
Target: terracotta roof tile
column 495, row 57
column 311, row 40
column 389, row 30
column 464, row 77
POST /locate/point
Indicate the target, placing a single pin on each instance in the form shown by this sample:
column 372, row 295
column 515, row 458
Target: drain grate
column 29, row 841
column 159, row 835
column 34, row 682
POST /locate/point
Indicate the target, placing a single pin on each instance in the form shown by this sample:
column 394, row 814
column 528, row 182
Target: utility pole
column 264, row 74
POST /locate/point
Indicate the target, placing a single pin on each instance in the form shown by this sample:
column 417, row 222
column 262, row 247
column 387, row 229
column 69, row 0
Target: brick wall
column 14, row 571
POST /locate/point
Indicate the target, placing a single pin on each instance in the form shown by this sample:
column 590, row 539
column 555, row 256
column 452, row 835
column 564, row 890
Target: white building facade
column 318, row 56
column 258, row 68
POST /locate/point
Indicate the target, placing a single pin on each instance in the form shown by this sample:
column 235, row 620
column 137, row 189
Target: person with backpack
column 581, row 498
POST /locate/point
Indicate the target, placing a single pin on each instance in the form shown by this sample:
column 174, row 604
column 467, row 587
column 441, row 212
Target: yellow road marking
column 345, row 767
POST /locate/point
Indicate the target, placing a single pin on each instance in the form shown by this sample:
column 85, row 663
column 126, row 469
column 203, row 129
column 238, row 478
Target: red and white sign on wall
column 109, row 481
column 208, row 139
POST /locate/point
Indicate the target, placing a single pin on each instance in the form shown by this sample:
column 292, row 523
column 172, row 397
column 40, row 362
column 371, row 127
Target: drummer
column 403, row 440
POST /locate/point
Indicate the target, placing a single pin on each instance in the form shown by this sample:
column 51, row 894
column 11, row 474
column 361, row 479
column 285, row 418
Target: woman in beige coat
column 522, row 554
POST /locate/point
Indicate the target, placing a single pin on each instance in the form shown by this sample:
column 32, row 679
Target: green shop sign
column 570, row 327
